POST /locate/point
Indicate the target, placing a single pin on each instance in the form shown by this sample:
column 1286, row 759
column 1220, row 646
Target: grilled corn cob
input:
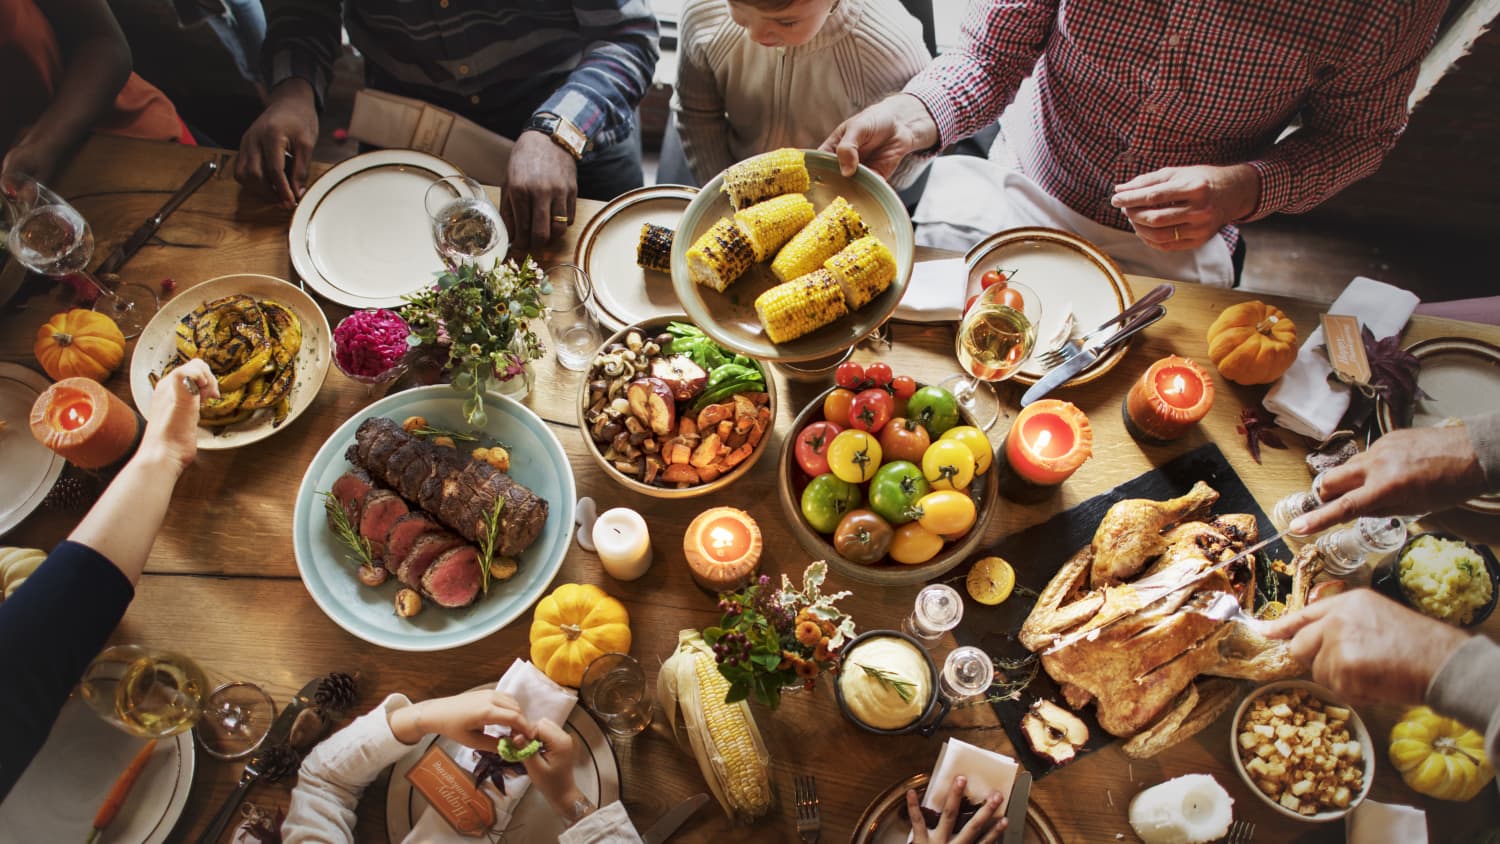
column 720, row 256
column 654, row 252
column 768, row 225
column 760, row 177
column 832, row 230
column 864, row 269
column 790, row 310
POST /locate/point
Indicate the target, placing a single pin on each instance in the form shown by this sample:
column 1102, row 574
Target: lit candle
column 1046, row 444
column 723, row 548
column 88, row 425
column 1168, row 399
column 623, row 542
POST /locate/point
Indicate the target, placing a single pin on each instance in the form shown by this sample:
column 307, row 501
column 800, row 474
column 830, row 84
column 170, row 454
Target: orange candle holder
column 1046, row 444
column 723, row 547
column 1170, row 397
column 91, row 427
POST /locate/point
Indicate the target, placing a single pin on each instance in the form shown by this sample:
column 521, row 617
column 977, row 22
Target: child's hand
column 551, row 771
column 461, row 717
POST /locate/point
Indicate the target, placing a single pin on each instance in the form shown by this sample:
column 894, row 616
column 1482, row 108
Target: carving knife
column 1015, row 809
column 1086, row 357
column 673, row 819
column 138, row 238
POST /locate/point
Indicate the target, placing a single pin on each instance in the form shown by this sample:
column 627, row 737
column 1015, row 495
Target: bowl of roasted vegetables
column 783, row 258
column 669, row 412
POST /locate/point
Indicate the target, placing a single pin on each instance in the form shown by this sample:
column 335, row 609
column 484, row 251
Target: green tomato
column 826, row 500
column 895, row 488
column 934, row 408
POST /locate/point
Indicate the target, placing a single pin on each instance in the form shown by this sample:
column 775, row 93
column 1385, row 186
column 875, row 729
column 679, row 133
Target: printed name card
column 448, row 787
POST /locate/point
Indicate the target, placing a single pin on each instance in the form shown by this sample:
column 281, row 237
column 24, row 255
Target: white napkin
column 1386, row 823
column 1303, row 400
column 987, row 771
column 936, row 291
column 539, row 698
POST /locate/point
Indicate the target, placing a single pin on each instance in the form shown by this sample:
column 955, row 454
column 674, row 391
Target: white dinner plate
column 595, row 770
column 626, row 293
column 1070, row 275
column 360, row 235
column 27, row 468
column 55, row 800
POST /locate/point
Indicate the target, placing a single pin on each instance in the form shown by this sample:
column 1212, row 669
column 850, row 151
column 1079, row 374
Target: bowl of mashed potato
column 888, row 685
column 1443, row 577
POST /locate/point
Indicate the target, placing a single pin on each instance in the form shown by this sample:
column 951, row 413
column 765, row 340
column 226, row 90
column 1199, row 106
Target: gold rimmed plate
column 28, row 469
column 884, row 821
column 1072, row 276
column 626, row 293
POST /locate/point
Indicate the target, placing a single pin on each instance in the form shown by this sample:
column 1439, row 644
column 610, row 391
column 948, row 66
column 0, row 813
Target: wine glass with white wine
column 466, row 225
column 994, row 341
column 155, row 693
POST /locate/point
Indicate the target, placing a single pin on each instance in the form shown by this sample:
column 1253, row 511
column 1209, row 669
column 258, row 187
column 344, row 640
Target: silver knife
column 674, row 818
column 1015, row 809
column 1086, row 357
column 138, row 238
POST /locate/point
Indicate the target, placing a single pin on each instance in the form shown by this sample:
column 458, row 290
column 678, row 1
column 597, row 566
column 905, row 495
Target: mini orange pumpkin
column 573, row 626
column 80, row 343
column 1252, row 343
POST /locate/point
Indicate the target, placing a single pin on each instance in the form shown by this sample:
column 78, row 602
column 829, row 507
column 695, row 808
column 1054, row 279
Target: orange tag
column 447, row 787
column 1346, row 348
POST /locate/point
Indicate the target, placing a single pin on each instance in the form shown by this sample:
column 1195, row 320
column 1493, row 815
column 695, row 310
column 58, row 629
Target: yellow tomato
column 948, row 464
column 946, row 511
column 977, row 443
column 854, row 455
column 914, row 544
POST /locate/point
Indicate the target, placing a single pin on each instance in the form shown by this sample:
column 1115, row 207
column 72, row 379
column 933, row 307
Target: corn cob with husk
column 760, row 177
column 788, row 311
column 654, row 251
column 833, row 229
column 724, row 738
column 720, row 256
column 768, row 225
column 864, row 269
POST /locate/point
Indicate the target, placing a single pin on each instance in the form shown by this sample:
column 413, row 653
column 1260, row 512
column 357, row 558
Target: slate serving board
column 1039, row 551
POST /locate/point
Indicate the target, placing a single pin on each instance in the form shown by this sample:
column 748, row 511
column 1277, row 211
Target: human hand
column 983, row 828
column 1368, row 648
column 883, row 135
column 541, row 191
column 1180, row 208
column 172, row 434
column 551, row 771
column 36, row 160
column 461, row 717
column 289, row 124
column 1408, row 471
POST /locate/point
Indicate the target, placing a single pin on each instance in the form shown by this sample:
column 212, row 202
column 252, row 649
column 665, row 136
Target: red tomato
column 812, row 447
column 878, row 374
column 849, row 375
column 836, row 406
column 1012, row 298
column 904, row 386
column 903, row 439
column 871, row 410
column 970, row 304
column 992, row 278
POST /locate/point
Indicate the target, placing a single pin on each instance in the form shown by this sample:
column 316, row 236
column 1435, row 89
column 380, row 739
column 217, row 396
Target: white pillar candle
column 1190, row 809
column 623, row 543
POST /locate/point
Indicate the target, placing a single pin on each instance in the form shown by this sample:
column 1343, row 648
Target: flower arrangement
column 481, row 316
column 770, row 639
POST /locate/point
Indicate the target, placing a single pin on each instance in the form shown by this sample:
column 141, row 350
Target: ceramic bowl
column 1387, row 577
column 933, row 714
column 1356, row 727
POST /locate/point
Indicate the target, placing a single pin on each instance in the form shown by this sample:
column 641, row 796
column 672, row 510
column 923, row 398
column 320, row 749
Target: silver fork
column 1240, row 832
column 809, row 821
column 1056, row 355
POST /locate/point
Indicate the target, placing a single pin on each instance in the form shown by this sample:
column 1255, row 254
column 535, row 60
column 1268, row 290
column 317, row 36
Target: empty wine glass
column 466, row 226
column 48, row 236
column 993, row 342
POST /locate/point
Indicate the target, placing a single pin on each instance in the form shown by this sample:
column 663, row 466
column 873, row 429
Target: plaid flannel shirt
column 1125, row 87
column 495, row 61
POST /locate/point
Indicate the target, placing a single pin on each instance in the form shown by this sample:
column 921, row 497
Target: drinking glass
column 939, row 608
column 570, row 316
column 48, row 236
column 156, row 693
column 614, row 690
column 466, row 226
column 993, row 341
column 967, row 672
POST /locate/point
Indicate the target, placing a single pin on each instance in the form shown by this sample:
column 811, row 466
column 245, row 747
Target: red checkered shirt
column 1125, row 87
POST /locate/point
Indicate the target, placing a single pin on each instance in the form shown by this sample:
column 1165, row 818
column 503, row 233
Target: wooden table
column 222, row 583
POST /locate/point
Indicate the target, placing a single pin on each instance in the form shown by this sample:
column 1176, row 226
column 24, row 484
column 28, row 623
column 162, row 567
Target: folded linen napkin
column 1303, row 400
column 540, row 698
column 935, row 292
column 986, row 770
column 1386, row 823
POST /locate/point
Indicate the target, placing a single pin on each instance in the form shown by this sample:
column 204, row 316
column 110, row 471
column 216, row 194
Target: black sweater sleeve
column 50, row 629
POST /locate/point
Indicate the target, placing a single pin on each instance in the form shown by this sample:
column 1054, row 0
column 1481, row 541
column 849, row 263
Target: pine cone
column 277, row 761
column 336, row 693
column 73, row 491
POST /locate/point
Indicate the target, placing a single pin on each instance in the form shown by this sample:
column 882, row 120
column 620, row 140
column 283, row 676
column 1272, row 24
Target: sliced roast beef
column 350, row 491
column 427, row 548
column 404, row 534
column 453, row 578
column 379, row 512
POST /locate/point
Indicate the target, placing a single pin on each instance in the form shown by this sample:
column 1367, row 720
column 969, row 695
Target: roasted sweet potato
column 680, row 473
column 707, row 451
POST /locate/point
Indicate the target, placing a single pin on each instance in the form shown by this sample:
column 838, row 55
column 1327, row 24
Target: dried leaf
column 1259, row 428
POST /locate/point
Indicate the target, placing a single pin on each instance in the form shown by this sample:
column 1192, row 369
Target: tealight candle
column 722, row 546
column 1046, row 444
column 623, row 542
column 88, row 425
column 1168, row 399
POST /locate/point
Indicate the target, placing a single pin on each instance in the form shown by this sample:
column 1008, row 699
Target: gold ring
column 558, row 218
column 1176, row 232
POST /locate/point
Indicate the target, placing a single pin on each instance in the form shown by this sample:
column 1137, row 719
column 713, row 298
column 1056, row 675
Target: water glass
column 614, row 691
column 939, row 608
column 466, row 225
column 570, row 316
column 967, row 672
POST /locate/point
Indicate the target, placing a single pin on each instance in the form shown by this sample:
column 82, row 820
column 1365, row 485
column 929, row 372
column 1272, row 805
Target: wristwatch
column 561, row 131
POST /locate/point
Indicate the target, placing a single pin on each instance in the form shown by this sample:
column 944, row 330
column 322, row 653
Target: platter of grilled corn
column 266, row 340
column 626, row 249
column 781, row 257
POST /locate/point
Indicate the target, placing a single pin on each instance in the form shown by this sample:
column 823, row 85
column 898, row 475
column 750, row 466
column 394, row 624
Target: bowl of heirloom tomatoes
column 886, row 478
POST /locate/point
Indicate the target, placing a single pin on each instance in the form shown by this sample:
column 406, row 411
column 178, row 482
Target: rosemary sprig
column 357, row 545
column 427, row 432
column 489, row 547
column 900, row 685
